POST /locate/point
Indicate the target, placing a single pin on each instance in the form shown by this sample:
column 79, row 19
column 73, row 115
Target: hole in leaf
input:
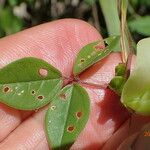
column 40, row 97
column 6, row 89
column 63, row 96
column 82, row 60
column 70, row 128
column 106, row 43
column 99, row 47
column 53, row 107
column 33, row 92
column 43, row 72
column 79, row 114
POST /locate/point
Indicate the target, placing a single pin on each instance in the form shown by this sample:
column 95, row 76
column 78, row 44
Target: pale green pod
column 67, row 116
column 136, row 92
column 29, row 83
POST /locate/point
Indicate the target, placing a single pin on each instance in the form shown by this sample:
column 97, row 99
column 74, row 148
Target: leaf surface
column 67, row 116
column 136, row 92
column 90, row 2
column 29, row 83
column 141, row 25
column 93, row 52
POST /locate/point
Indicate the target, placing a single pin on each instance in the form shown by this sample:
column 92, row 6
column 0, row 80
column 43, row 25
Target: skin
column 58, row 43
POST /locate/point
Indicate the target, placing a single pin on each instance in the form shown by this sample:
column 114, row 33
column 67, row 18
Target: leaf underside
column 67, row 116
column 136, row 92
column 23, row 86
column 94, row 52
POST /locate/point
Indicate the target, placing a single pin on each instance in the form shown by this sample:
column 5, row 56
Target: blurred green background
column 16, row 15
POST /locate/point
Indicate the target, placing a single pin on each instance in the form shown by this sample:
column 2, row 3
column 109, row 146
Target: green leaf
column 110, row 11
column 67, row 116
column 13, row 2
column 141, row 25
column 90, row 2
column 136, row 92
column 145, row 2
column 10, row 23
column 135, row 3
column 93, row 52
column 29, row 83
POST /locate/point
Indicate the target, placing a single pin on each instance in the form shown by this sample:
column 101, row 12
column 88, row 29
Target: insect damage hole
column 40, row 97
column 6, row 89
column 33, row 92
column 70, row 128
column 53, row 107
column 82, row 60
column 99, row 47
column 43, row 72
column 106, row 43
column 63, row 96
column 79, row 114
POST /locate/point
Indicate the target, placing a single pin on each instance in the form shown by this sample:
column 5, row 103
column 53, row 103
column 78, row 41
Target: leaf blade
column 27, row 69
column 67, row 117
column 92, row 53
column 20, row 78
column 29, row 95
column 141, row 25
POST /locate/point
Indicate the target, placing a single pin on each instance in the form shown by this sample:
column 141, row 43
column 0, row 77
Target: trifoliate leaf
column 29, row 83
column 136, row 92
column 67, row 116
column 93, row 52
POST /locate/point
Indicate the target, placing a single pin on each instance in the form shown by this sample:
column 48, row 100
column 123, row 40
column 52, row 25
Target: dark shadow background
column 16, row 15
